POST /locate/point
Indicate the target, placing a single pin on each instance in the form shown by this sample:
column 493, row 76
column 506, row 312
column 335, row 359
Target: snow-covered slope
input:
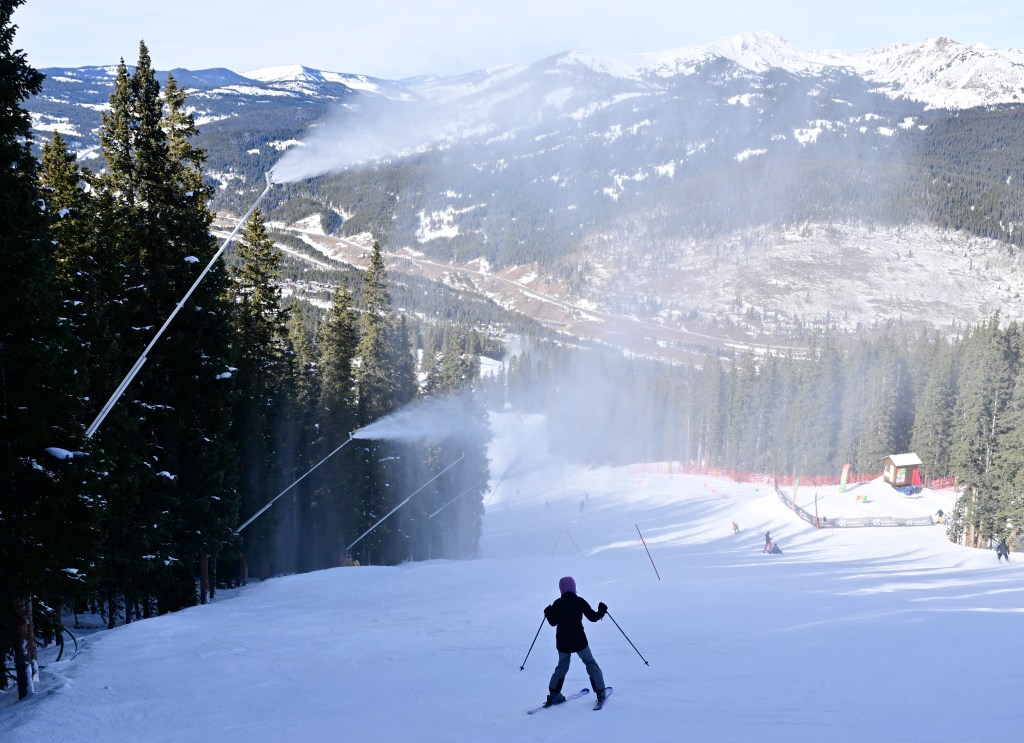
column 939, row 72
column 848, row 636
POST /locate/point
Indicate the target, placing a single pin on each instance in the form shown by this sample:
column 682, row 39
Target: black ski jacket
column 566, row 614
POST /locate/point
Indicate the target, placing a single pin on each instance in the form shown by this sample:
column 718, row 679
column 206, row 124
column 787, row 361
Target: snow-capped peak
column 284, row 73
column 939, row 71
column 603, row 65
column 757, row 52
column 947, row 74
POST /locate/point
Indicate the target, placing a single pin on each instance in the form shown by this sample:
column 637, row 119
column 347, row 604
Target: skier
column 566, row 615
column 767, row 541
column 735, row 528
column 1003, row 550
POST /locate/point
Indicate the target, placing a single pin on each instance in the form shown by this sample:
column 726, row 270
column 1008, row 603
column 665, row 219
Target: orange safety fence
column 678, row 468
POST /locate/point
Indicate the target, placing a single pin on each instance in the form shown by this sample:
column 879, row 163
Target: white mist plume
column 431, row 418
column 375, row 131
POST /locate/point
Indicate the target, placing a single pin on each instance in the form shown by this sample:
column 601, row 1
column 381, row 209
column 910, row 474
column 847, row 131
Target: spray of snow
column 432, row 418
column 372, row 131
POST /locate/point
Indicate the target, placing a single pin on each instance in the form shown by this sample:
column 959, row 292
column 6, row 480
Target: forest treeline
column 957, row 403
column 239, row 403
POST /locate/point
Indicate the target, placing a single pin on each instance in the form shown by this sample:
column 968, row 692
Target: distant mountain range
column 673, row 189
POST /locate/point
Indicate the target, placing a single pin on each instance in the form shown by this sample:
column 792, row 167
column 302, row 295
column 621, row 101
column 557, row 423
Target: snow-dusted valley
column 746, row 290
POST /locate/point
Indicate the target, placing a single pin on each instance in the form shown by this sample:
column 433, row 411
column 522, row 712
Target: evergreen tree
column 710, row 405
column 990, row 361
column 335, row 502
column 201, row 430
column 169, row 507
column 384, row 382
column 933, row 414
column 886, row 412
column 816, row 411
column 1008, row 464
column 117, row 319
column 260, row 355
column 294, row 444
column 38, row 507
column 447, row 521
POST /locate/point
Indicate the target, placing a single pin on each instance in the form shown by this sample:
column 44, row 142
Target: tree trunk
column 213, row 577
column 111, row 611
column 204, row 577
column 243, row 568
column 26, row 658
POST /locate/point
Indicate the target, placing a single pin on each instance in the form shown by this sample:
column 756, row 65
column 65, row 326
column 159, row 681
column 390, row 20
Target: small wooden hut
column 900, row 470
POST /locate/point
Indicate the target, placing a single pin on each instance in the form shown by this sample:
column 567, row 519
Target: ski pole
column 533, row 643
column 648, row 554
column 624, row 635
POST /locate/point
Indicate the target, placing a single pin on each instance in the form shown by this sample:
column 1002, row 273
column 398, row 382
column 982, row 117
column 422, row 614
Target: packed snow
column 869, row 634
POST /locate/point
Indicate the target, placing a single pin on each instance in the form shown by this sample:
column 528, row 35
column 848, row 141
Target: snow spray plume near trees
column 372, row 130
column 429, row 418
column 237, row 398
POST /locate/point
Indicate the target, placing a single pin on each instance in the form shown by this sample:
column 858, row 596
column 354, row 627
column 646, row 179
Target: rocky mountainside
column 743, row 191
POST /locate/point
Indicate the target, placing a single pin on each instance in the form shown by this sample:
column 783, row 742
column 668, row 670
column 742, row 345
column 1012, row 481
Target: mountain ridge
column 938, row 71
column 621, row 189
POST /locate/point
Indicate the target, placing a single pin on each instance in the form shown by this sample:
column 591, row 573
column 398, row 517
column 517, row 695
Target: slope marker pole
column 648, row 554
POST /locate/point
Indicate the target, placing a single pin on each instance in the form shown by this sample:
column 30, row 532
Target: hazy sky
column 401, row 38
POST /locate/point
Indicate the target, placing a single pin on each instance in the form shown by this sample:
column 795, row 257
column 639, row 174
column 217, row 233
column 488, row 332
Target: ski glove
column 547, row 612
column 602, row 609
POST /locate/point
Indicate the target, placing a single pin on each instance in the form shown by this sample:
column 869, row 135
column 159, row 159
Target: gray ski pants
column 593, row 670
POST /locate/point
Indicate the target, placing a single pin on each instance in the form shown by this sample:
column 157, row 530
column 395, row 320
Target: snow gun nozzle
column 269, row 175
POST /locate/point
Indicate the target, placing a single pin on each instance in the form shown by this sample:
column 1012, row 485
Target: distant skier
column 735, row 528
column 768, row 541
column 1003, row 550
column 566, row 615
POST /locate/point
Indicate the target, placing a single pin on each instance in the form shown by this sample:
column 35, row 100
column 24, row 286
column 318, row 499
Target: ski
column 600, row 702
column 577, row 695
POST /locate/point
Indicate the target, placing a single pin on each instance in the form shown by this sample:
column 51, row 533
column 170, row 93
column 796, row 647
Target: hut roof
column 905, row 460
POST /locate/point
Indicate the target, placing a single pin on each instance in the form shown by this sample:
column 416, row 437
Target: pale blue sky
column 401, row 38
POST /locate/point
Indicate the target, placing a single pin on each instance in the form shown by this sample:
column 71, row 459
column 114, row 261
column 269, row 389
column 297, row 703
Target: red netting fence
column 783, row 480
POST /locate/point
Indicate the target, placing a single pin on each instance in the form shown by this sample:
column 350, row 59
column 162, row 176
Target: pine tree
column 336, row 503
column 456, row 510
column 260, row 355
column 933, row 414
column 710, row 409
column 384, row 382
column 294, row 444
column 383, row 376
column 199, row 441
column 169, row 438
column 886, row 412
column 986, row 384
column 37, row 507
column 1008, row 463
